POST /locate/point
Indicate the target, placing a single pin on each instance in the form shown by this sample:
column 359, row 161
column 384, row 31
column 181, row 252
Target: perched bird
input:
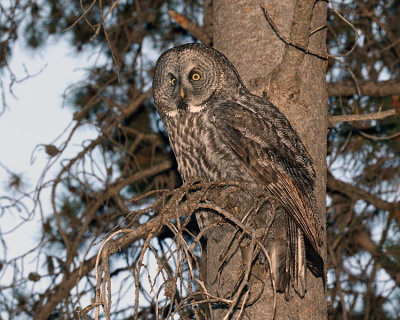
column 220, row 131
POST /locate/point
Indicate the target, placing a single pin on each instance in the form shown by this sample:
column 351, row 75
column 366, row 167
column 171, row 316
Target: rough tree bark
column 293, row 78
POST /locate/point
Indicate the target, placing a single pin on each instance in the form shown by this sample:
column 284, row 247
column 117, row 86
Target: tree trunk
column 283, row 61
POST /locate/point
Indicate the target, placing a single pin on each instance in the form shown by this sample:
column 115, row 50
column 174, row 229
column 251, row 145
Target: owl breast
column 200, row 150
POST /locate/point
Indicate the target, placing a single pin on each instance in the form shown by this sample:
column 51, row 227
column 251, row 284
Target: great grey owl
column 218, row 130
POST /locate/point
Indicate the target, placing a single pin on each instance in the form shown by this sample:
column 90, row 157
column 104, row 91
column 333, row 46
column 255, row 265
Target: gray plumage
column 220, row 131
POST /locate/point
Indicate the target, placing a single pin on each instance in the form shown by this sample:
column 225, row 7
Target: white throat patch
column 191, row 109
column 195, row 109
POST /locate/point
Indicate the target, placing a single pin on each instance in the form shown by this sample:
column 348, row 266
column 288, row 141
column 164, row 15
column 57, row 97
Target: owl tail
column 297, row 259
column 315, row 263
column 279, row 266
column 288, row 255
column 302, row 256
column 280, row 253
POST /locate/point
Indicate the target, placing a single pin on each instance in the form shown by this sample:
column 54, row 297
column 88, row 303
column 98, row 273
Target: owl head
column 190, row 77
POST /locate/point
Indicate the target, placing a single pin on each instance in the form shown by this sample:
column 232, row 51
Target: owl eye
column 172, row 81
column 196, row 76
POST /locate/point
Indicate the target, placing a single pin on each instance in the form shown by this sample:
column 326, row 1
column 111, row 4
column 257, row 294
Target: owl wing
column 274, row 155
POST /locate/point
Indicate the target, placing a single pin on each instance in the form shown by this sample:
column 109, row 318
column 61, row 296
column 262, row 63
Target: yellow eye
column 195, row 76
column 172, row 81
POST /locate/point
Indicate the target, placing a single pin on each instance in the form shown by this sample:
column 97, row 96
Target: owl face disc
column 185, row 80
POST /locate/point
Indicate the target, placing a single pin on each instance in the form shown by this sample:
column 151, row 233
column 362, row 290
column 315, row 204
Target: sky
column 34, row 115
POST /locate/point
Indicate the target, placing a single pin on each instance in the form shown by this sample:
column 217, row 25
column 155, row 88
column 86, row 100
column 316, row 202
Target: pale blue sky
column 35, row 116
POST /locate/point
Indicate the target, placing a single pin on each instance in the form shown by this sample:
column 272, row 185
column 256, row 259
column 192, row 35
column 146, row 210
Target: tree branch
column 71, row 279
column 355, row 193
column 368, row 88
column 361, row 117
column 132, row 107
column 57, row 294
column 375, row 138
column 193, row 28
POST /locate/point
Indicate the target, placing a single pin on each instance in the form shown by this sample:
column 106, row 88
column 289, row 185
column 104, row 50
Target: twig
column 113, row 53
column 79, row 312
column 100, row 253
column 352, row 26
column 248, row 231
column 341, row 149
column 246, row 296
column 249, row 261
column 375, row 138
column 83, row 15
column 338, row 284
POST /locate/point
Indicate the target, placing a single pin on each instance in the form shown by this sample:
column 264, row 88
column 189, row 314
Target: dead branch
column 68, row 282
column 137, row 102
column 355, row 193
column 361, row 117
column 168, row 211
column 57, row 294
column 376, row 138
column 367, row 88
column 351, row 26
column 193, row 28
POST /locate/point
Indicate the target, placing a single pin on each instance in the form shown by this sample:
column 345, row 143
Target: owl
column 218, row 130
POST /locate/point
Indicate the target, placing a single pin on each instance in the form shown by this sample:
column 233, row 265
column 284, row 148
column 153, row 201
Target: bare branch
column 68, row 281
column 132, row 107
column 361, row 117
column 375, row 138
column 355, row 193
column 368, row 88
column 352, row 26
column 171, row 206
column 193, row 28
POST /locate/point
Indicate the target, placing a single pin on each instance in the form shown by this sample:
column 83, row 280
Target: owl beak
column 182, row 93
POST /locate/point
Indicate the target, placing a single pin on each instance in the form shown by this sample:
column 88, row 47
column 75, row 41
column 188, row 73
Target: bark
column 294, row 80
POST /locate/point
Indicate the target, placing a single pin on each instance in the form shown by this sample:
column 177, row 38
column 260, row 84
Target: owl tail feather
column 315, row 263
column 278, row 253
column 281, row 256
column 291, row 255
column 297, row 261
